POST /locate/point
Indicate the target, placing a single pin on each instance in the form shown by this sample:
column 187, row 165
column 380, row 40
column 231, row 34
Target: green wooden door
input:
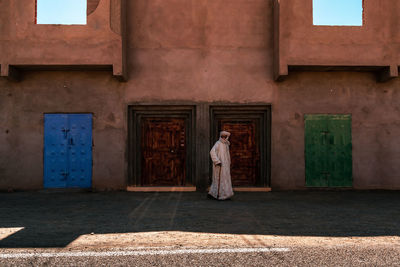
column 328, row 150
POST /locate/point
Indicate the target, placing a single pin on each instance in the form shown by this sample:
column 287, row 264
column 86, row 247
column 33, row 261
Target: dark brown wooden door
column 163, row 152
column 244, row 150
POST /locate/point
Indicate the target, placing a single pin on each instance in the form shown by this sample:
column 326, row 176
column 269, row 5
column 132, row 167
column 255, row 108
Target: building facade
column 135, row 98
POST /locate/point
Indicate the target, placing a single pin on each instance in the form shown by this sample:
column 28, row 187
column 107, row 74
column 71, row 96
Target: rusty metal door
column 244, row 150
column 163, row 147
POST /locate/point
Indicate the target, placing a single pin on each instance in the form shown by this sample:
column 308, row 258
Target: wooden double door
column 164, row 143
column 163, row 151
column 244, row 150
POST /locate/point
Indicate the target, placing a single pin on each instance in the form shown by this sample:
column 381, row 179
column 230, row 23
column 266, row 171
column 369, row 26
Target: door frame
column 135, row 115
column 260, row 112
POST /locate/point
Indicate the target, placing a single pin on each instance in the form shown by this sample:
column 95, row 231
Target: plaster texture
column 200, row 52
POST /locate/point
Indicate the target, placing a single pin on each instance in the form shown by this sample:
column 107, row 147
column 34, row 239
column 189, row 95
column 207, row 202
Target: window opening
column 65, row 12
column 338, row 12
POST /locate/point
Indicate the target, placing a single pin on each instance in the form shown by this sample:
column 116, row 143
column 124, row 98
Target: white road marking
column 138, row 252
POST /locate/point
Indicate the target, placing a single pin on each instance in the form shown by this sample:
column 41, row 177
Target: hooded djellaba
column 221, row 187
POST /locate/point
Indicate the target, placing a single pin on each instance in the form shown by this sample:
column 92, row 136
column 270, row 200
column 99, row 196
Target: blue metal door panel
column 68, row 150
column 80, row 150
column 55, row 150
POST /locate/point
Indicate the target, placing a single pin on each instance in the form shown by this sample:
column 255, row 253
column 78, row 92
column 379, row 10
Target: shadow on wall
column 55, row 220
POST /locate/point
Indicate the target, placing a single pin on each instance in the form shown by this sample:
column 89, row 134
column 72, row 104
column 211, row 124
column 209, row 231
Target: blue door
column 67, row 150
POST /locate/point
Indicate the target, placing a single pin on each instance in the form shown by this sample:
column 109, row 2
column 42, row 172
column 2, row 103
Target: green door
column 328, row 150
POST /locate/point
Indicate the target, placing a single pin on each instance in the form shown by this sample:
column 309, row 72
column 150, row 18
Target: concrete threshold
column 252, row 189
column 161, row 189
column 249, row 189
column 189, row 189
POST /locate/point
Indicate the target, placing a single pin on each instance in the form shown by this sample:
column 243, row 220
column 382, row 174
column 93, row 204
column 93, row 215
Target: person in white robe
column 221, row 186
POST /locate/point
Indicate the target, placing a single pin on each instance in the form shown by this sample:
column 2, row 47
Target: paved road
column 345, row 256
column 181, row 229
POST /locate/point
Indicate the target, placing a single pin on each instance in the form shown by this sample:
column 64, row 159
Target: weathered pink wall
column 22, row 106
column 375, row 125
column 197, row 51
column 375, row 45
column 98, row 44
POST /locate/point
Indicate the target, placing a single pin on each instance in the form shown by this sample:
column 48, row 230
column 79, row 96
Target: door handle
column 65, row 131
column 65, row 174
column 71, row 141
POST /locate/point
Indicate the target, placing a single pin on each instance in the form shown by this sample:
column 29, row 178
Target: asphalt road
column 186, row 229
column 345, row 256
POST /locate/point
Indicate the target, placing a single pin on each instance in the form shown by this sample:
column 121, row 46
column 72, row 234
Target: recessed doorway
column 250, row 141
column 161, row 146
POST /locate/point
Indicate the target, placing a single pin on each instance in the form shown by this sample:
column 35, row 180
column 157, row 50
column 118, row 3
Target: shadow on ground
column 56, row 219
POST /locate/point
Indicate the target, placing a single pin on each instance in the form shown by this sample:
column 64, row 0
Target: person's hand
column 218, row 164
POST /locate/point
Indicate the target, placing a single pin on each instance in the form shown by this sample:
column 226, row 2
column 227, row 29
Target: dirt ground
column 123, row 220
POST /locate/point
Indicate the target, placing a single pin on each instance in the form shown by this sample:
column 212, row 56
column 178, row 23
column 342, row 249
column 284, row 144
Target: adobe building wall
column 97, row 45
column 301, row 45
column 199, row 53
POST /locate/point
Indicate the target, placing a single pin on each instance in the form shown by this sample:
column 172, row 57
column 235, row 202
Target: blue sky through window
column 325, row 12
column 337, row 12
column 61, row 12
